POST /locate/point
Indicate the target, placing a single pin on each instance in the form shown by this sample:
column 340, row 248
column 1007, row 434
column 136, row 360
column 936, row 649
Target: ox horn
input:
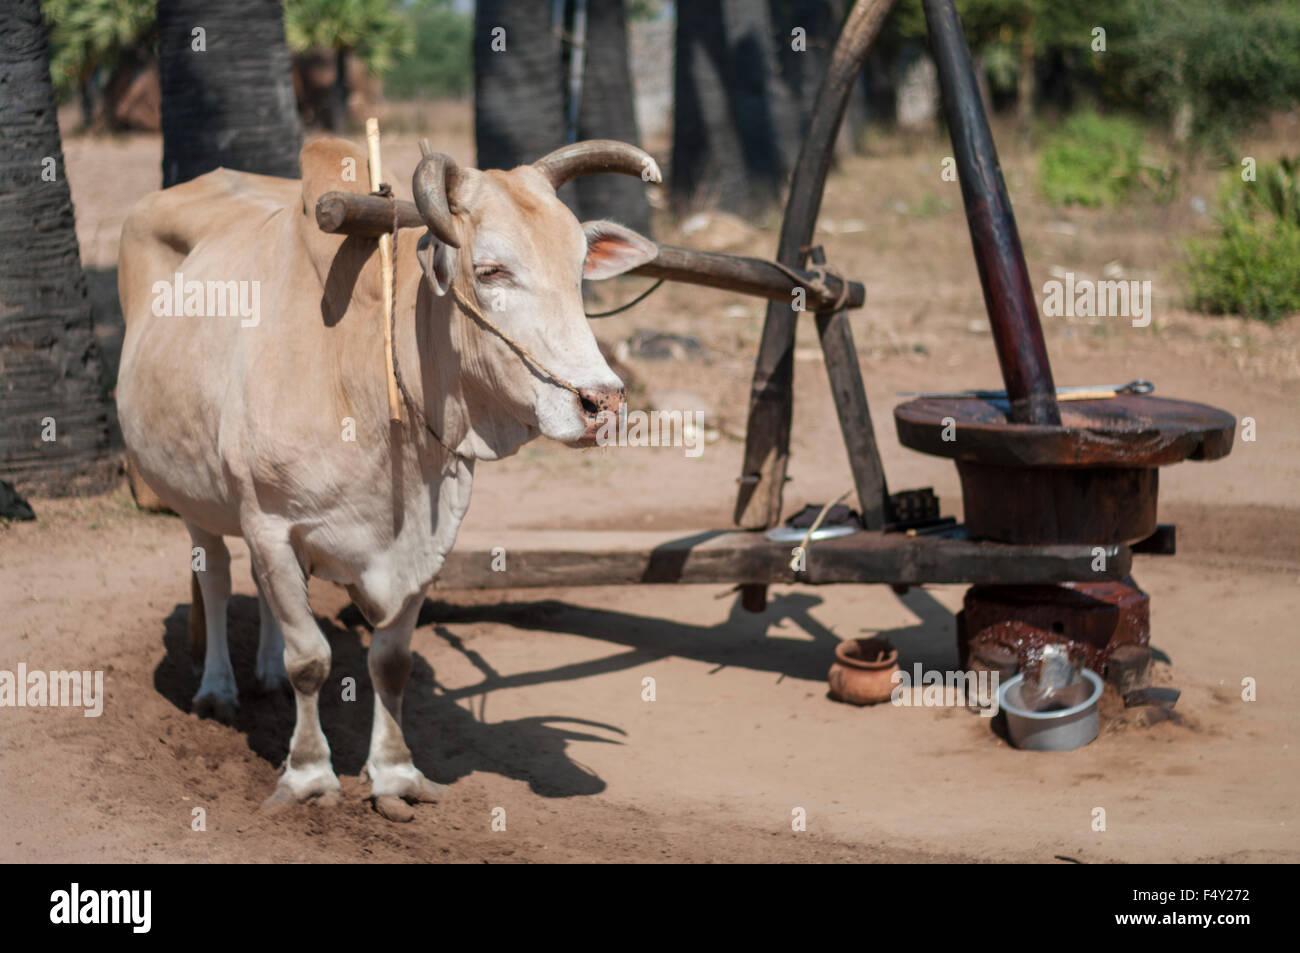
column 433, row 178
column 597, row 155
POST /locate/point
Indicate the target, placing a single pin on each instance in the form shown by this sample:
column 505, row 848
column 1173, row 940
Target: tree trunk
column 1025, row 81
column 736, row 127
column 802, row 68
column 1181, row 122
column 520, row 100
column 54, row 412
column 340, row 121
column 86, row 99
column 608, row 112
column 518, row 90
column 227, row 92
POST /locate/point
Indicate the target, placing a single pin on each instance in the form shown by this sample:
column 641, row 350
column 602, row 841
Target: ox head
column 516, row 250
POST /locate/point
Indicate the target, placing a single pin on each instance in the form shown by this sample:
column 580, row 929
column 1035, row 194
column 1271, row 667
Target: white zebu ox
column 241, row 429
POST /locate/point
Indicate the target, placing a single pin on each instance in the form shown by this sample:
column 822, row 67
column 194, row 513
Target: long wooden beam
column 564, row 558
column 752, row 276
column 370, row 216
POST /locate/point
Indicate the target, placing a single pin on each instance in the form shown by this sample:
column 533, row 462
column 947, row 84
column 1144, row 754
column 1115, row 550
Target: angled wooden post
column 850, row 398
column 767, row 438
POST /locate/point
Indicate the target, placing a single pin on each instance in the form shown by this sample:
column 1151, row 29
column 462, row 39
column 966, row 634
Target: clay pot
column 863, row 671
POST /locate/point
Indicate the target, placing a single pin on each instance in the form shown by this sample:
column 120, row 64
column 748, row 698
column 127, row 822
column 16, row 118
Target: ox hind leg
column 198, row 632
column 271, row 675
column 218, row 696
column 282, row 581
column 394, row 778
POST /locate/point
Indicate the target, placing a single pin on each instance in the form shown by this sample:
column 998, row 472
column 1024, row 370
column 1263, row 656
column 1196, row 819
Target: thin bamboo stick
column 386, row 265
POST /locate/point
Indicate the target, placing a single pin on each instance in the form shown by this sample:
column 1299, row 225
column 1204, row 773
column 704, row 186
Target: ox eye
column 488, row 272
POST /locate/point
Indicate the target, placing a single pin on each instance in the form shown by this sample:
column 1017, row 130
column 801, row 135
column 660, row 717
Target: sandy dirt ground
column 531, row 700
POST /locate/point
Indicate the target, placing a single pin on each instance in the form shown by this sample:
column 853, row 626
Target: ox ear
column 613, row 250
column 437, row 259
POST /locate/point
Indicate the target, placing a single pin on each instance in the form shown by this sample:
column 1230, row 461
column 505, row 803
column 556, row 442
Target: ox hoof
column 223, row 706
column 394, row 788
column 273, row 684
column 394, row 808
column 272, row 679
column 300, row 785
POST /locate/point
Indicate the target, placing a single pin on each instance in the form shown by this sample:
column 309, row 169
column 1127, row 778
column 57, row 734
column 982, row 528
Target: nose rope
column 470, row 308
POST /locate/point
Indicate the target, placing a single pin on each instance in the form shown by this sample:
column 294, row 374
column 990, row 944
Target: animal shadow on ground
column 449, row 739
column 756, row 641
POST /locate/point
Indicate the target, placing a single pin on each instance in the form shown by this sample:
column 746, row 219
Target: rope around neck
column 470, row 308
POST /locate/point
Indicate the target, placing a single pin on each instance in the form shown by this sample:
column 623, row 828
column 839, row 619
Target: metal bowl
column 1061, row 730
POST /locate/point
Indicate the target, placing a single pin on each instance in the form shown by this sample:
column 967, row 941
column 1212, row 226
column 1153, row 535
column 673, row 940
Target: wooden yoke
column 372, row 216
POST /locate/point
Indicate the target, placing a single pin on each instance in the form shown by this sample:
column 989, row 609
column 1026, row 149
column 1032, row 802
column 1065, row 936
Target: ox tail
column 198, row 627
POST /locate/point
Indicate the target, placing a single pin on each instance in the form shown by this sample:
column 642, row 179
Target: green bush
column 1224, row 63
column 1276, row 190
column 1252, row 267
column 442, row 61
column 1207, row 69
column 373, row 30
column 87, row 35
column 1091, row 160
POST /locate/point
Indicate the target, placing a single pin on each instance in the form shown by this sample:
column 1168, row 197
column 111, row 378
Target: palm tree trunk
column 518, row 90
column 54, row 411
column 520, row 98
column 340, row 121
column 736, row 126
column 1025, row 81
column 607, row 112
column 231, row 103
column 802, row 69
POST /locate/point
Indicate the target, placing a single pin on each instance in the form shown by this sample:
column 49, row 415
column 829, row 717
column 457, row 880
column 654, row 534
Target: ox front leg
column 218, row 696
column 394, row 778
column 283, row 582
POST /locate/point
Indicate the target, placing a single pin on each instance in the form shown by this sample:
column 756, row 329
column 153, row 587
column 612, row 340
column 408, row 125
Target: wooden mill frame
column 883, row 552
column 888, row 549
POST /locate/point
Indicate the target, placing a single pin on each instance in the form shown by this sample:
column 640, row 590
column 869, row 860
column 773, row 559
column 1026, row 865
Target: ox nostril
column 596, row 400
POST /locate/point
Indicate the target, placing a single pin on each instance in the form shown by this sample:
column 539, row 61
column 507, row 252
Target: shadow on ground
column 446, row 740
column 785, row 639
column 447, row 729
